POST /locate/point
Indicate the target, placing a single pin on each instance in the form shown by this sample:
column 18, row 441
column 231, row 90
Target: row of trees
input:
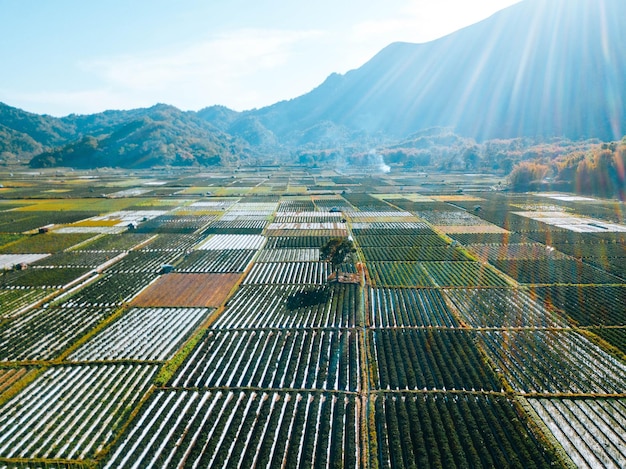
column 599, row 171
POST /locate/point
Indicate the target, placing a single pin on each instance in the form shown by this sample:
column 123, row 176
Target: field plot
column 438, row 430
column 593, row 432
column 71, row 412
column 289, row 255
column 139, row 261
column 536, row 251
column 18, row 221
column 398, row 274
column 414, row 253
column 387, row 241
column 416, row 359
column 409, row 307
column 91, row 259
column 267, row 307
column 554, row 362
column 43, row 333
column 187, row 291
column 14, row 300
column 143, row 334
column 496, row 307
column 236, row 227
column 242, row 429
column 587, row 306
column 289, row 273
column 463, row 274
column 392, row 228
column 488, row 238
column 292, row 359
column 559, row 271
column 170, row 242
column 232, row 241
column 41, row 277
column 45, row 243
column 296, row 242
column 216, row 261
column 8, row 261
column 111, row 290
column 175, row 224
column 116, row 242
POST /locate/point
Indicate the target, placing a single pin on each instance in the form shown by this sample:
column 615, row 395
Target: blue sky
column 80, row 56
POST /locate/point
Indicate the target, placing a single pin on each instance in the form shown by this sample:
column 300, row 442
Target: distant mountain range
column 539, row 69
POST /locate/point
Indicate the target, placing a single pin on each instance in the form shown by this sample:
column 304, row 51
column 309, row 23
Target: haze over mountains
column 538, row 69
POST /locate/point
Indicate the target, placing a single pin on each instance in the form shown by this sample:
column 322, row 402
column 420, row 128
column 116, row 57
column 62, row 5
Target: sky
column 80, row 56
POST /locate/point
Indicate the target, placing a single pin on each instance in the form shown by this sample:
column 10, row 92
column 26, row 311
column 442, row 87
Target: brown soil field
column 187, row 290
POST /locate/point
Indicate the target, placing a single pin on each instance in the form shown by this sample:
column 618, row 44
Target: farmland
column 197, row 323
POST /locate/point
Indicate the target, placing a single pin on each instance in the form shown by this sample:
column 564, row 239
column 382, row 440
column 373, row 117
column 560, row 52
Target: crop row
column 588, row 306
column 143, row 334
column 561, row 271
column 616, row 336
column 217, row 261
column 429, row 359
column 453, row 430
column 296, row 205
column 45, row 243
column 245, row 226
column 11, row 301
column 289, row 255
column 392, row 228
column 308, row 233
column 592, row 432
column 291, row 359
column 175, row 224
column 171, row 242
column 70, row 412
column 414, row 253
column 232, row 241
column 296, row 242
column 43, row 333
column 242, row 429
column 9, row 376
column 269, row 306
column 111, row 290
column 288, row 273
column 19, row 221
column 555, row 362
column 66, row 259
column 310, row 217
column 500, row 307
column 409, row 307
column 116, row 242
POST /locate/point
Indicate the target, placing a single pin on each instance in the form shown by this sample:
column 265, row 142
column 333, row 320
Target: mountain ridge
column 539, row 69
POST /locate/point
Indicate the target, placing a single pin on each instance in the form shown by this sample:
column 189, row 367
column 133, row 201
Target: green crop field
column 451, row 337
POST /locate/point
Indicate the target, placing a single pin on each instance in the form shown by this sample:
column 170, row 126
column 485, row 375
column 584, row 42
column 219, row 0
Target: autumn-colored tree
column 526, row 173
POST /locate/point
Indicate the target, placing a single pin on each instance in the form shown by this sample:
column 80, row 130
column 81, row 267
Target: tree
column 336, row 250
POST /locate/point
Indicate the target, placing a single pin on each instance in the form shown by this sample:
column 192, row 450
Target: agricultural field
column 191, row 320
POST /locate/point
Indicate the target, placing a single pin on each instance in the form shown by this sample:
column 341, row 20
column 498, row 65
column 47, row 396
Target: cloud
column 220, row 66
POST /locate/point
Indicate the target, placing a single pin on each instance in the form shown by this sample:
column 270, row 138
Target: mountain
column 141, row 138
column 540, row 68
